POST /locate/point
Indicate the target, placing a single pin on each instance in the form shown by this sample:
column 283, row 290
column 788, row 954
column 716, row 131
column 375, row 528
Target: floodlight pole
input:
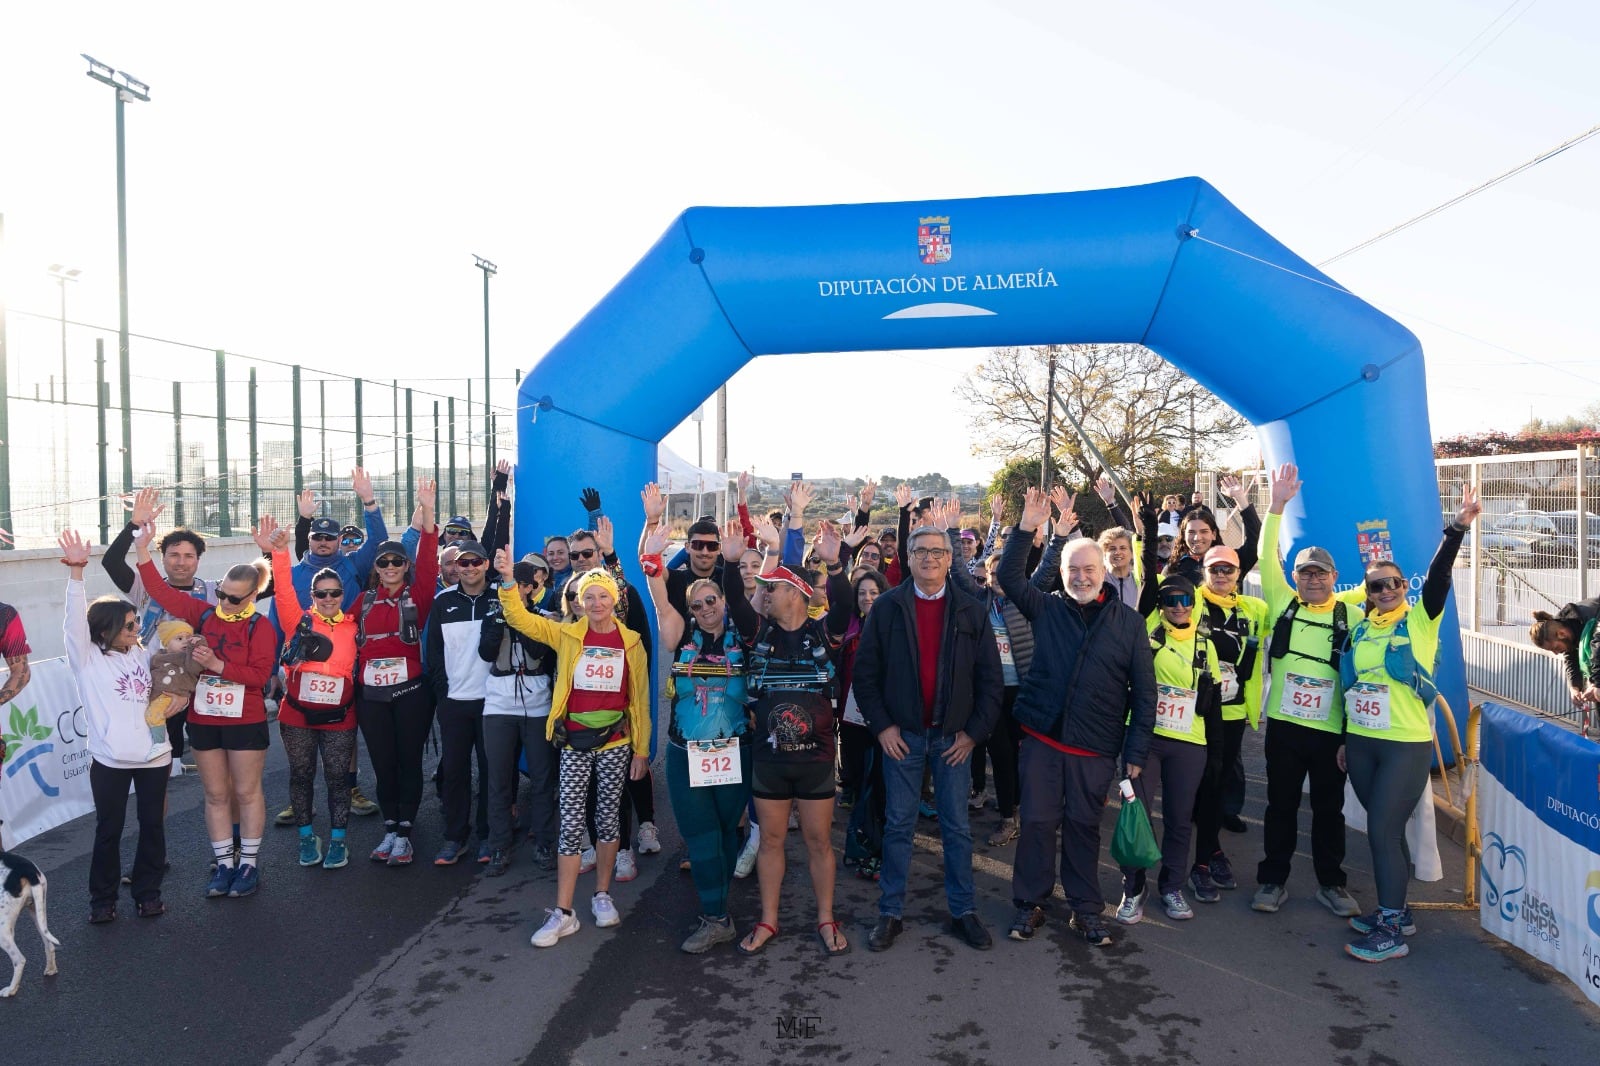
column 489, row 270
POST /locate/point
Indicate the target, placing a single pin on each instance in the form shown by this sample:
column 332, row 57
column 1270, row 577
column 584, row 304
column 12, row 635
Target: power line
column 1491, row 183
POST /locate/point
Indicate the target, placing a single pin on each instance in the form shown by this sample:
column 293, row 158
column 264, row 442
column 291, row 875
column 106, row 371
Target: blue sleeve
column 377, row 533
column 794, row 547
column 409, row 541
column 679, row 561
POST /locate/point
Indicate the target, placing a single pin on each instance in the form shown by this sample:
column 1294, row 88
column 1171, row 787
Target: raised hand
column 361, row 485
column 590, row 500
column 655, row 541
column 280, row 539
column 1470, row 507
column 1232, row 487
column 141, row 539
column 903, row 495
column 767, row 533
column 800, row 495
column 852, row 503
column 1035, row 510
column 869, row 492
column 74, row 549
column 263, row 532
column 1106, row 491
column 502, row 563
column 1285, row 487
column 503, row 467
column 144, row 507
column 655, row 504
column 307, row 503
column 604, row 536
column 828, row 543
column 856, row 536
column 427, row 492
column 1063, row 501
column 743, row 484
column 997, row 506
column 732, row 541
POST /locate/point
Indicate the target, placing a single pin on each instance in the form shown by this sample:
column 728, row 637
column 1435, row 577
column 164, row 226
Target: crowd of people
column 886, row 674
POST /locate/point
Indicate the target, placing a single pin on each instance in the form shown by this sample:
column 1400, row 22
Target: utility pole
column 489, row 270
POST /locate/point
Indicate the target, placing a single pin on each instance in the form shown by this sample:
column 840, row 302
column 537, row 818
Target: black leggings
column 1223, row 741
column 1388, row 777
column 109, row 786
column 1001, row 747
column 396, row 731
column 303, row 746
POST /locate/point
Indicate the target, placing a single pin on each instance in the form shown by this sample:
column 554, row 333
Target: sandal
column 772, row 933
column 102, row 913
column 829, row 941
column 152, row 908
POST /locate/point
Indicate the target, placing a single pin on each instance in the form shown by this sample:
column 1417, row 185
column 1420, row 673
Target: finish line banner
column 1539, row 815
column 45, row 778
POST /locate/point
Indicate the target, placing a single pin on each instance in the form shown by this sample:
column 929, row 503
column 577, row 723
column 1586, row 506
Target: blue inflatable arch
column 1330, row 383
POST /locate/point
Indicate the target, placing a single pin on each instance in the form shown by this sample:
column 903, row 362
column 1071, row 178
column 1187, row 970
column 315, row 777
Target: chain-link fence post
column 255, row 454
column 224, row 499
column 451, row 405
column 299, row 455
column 103, row 397
column 177, row 454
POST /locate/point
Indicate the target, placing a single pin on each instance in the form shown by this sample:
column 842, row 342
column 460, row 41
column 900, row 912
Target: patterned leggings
column 610, row 770
column 302, row 746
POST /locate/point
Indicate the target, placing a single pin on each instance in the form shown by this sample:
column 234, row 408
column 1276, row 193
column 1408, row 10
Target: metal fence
column 229, row 437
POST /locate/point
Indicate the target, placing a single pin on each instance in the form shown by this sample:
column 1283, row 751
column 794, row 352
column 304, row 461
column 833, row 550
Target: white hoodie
column 115, row 689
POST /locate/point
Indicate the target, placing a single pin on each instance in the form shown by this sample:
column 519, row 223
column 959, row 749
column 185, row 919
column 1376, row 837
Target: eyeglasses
column 1177, row 599
column 471, row 561
column 231, row 599
column 389, row 562
column 588, row 553
column 1385, row 584
column 322, row 536
column 1311, row 573
column 709, row 601
column 327, row 594
column 930, row 553
column 131, row 626
column 1224, row 569
column 704, row 546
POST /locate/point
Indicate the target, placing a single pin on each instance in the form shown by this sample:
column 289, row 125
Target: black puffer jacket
column 1092, row 683
column 1578, row 615
column 888, row 686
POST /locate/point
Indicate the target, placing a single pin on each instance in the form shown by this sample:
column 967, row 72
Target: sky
column 310, row 182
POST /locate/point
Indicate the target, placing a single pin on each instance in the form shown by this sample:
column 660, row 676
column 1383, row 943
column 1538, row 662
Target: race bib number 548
column 599, row 670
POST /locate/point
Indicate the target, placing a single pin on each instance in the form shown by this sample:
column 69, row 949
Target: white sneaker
column 557, row 924
column 586, row 861
column 605, row 912
column 747, row 858
column 649, row 838
column 626, row 870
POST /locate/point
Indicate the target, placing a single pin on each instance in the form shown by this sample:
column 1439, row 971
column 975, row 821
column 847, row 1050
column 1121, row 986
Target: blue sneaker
column 928, row 811
column 338, row 855
column 245, row 882
column 1384, row 942
column 1366, row 923
column 1222, row 872
column 1205, row 889
column 310, row 850
column 221, row 882
column 450, row 853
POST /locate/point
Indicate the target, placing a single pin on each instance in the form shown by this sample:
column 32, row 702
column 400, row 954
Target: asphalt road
column 372, row 965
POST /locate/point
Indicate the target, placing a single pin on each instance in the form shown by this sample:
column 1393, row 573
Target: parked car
column 1566, row 523
column 1506, row 549
column 1541, row 543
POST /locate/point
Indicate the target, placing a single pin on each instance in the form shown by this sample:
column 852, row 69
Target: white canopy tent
column 679, row 477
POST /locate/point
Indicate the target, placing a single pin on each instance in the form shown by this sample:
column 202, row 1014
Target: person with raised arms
column 1308, row 625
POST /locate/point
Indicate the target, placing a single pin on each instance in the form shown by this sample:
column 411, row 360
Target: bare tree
column 1135, row 406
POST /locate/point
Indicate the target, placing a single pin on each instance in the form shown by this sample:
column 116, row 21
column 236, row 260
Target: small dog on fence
column 21, row 883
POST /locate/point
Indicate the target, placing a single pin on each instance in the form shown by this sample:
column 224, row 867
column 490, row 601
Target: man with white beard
column 1088, row 702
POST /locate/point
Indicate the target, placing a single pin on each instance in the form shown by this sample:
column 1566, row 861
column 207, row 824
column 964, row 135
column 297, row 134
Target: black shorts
column 792, row 780
column 252, row 737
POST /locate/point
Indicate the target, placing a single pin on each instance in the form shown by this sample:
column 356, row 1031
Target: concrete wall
column 34, row 582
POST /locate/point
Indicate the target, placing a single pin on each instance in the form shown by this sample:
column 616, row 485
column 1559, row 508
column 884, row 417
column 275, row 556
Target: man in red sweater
column 927, row 678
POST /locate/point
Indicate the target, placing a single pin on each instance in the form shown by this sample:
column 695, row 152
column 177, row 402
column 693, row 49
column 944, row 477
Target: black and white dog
column 21, row 883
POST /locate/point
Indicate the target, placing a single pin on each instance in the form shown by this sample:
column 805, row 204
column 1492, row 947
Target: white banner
column 1539, row 886
column 45, row 779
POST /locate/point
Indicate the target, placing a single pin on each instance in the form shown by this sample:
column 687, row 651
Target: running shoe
column 1004, row 833
column 485, row 852
column 1131, row 910
column 450, row 853
column 558, row 923
column 310, row 850
column 710, row 933
column 1023, row 924
column 1383, row 942
column 586, row 861
column 245, row 881
column 847, row 798
column 1269, row 898
column 284, row 817
column 385, row 847
column 1222, row 872
column 221, row 882
column 1092, row 928
column 1366, row 923
column 649, row 838
column 543, row 857
column 360, row 804
column 604, row 911
column 747, row 857
column 976, row 800
column 1177, row 907
column 499, row 862
column 924, row 810
column 1338, row 899
column 403, row 852
column 1205, row 889
column 338, row 855
column 626, row 870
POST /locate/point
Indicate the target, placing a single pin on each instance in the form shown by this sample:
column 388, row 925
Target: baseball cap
column 783, row 575
column 470, row 547
column 1314, row 556
column 967, row 534
column 460, row 521
column 1168, row 529
column 1221, row 553
column 324, row 527
column 353, row 531
column 536, row 559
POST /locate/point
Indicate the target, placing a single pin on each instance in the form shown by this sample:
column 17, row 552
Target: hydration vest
column 1283, row 630
column 727, row 676
column 1399, row 662
column 767, row 673
column 409, row 632
column 154, row 612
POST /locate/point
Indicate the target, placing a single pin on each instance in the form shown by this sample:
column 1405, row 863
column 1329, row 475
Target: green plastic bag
column 1134, row 844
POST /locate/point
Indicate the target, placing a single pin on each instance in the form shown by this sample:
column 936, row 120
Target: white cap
column 1168, row 529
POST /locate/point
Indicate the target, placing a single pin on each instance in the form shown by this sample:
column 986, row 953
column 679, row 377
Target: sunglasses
column 471, row 561
column 389, row 562
column 589, row 553
column 131, row 626
column 327, row 594
column 231, row 599
column 450, row 531
column 1222, row 568
column 1177, row 599
column 572, row 597
column 709, row 601
column 705, row 545
column 1385, row 584
column 323, row 536
column 351, row 540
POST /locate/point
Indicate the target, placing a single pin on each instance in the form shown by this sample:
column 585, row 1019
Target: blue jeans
column 902, row 792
